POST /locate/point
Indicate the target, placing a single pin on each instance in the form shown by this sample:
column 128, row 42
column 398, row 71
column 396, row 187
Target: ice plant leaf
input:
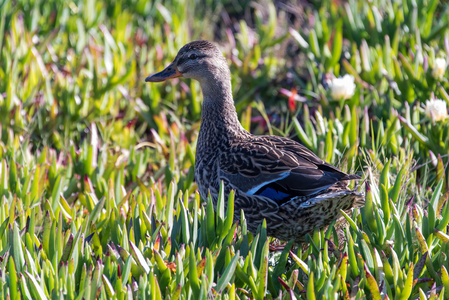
column 139, row 257
column 407, row 290
column 416, row 134
column 372, row 285
column 193, row 274
column 310, row 288
column 35, row 287
column 301, row 263
column 228, row 273
column 441, row 235
column 445, row 280
column 13, row 290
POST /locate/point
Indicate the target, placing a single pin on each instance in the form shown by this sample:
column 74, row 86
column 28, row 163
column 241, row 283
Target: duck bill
column 169, row 72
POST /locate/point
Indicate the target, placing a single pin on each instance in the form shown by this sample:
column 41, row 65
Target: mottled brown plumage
column 274, row 178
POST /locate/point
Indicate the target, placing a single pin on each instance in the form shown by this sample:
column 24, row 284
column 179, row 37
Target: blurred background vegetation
column 97, row 197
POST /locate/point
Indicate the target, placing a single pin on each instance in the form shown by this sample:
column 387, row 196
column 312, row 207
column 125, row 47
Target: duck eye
column 193, row 56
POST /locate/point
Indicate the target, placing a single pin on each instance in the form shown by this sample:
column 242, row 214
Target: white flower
column 436, row 109
column 342, row 87
column 439, row 68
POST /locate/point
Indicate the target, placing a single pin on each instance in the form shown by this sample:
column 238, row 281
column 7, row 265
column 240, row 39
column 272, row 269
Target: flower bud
column 439, row 68
column 342, row 87
column 436, row 109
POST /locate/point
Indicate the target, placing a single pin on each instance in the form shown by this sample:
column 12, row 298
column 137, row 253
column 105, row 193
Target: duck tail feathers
column 351, row 177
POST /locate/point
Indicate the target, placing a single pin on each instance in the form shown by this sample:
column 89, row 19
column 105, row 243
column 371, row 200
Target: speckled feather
column 274, row 178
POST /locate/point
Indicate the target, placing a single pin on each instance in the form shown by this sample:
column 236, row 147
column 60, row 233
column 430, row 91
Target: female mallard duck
column 274, row 178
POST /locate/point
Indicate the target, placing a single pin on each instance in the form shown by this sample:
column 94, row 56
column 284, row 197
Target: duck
column 274, row 178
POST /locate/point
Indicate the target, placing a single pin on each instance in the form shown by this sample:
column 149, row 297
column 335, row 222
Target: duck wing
column 278, row 168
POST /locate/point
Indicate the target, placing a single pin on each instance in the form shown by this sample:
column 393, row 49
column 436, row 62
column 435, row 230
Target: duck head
column 200, row 60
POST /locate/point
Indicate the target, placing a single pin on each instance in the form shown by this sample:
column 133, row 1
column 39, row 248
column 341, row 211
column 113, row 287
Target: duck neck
column 219, row 118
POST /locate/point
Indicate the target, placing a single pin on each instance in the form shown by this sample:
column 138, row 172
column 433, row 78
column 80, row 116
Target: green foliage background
column 97, row 197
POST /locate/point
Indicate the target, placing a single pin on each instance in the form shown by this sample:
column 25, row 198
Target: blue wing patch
column 274, row 195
